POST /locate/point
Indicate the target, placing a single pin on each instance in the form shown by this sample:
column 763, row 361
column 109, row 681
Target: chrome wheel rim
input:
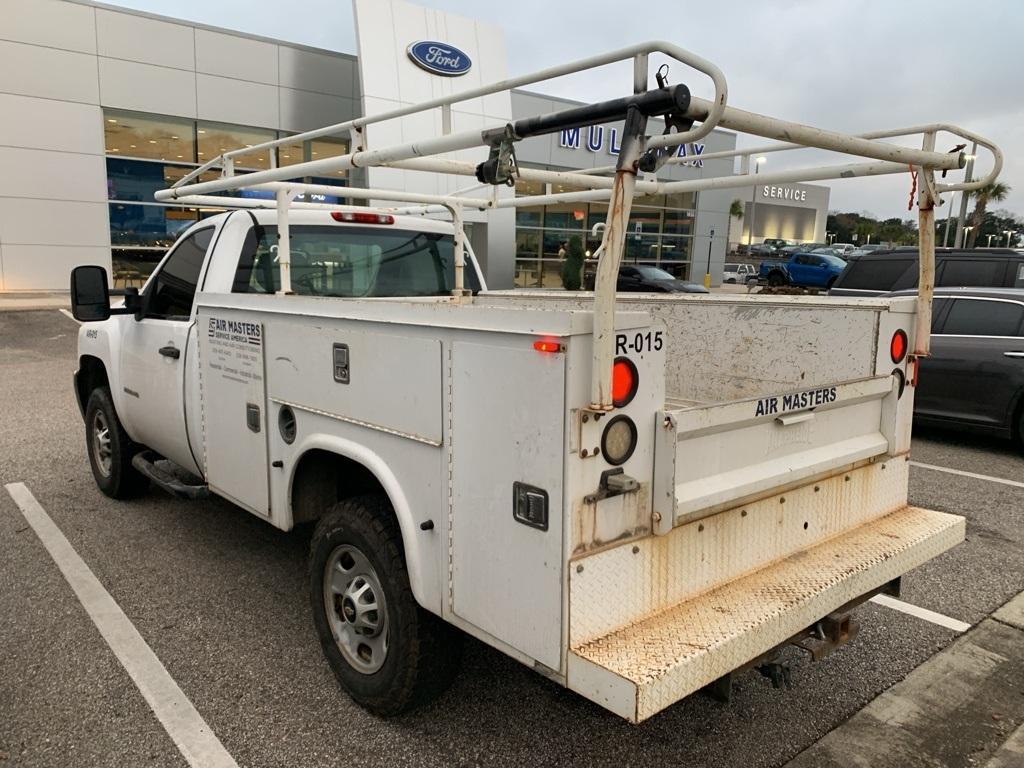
column 101, row 448
column 356, row 609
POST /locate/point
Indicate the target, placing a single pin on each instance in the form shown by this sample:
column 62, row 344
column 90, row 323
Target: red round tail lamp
column 625, row 382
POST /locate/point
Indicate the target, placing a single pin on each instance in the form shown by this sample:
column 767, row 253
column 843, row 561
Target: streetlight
column 961, row 231
column 1009, row 234
column 989, row 243
column 753, row 201
column 831, row 236
column 963, row 240
column 945, row 234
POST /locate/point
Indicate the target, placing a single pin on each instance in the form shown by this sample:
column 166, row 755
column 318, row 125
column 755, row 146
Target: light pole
column 707, row 274
column 945, row 234
column 1009, row 234
column 753, row 202
column 963, row 235
column 989, row 243
column 961, row 230
column 831, row 236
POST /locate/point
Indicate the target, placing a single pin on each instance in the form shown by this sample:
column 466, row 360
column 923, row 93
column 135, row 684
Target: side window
column 170, row 294
column 979, row 317
column 878, row 274
column 801, row 259
column 938, row 307
column 967, row 272
column 1018, row 268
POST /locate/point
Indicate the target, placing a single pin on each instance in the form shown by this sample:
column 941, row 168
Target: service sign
column 439, row 58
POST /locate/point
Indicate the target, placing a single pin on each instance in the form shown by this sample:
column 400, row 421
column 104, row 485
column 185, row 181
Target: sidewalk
column 963, row 707
column 24, row 301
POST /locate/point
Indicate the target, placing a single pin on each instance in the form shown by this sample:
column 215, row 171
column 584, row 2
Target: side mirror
column 90, row 298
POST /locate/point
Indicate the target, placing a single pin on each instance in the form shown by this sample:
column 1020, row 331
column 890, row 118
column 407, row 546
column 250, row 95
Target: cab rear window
column 874, row 274
column 352, row 262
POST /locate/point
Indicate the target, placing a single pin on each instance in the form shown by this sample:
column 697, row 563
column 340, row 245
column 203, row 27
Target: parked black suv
column 871, row 274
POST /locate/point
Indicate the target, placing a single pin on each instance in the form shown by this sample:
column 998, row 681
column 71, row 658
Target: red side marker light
column 352, row 217
column 625, row 382
column 898, row 346
column 546, row 345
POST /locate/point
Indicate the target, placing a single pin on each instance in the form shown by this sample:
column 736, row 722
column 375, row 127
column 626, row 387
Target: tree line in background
column 862, row 227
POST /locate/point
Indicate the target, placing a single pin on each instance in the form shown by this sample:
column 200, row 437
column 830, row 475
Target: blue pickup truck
column 803, row 270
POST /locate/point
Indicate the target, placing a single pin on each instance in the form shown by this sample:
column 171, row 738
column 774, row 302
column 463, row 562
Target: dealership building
column 105, row 106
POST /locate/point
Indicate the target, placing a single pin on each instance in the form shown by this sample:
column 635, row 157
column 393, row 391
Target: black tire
column 423, row 652
column 112, row 465
column 731, row 280
column 776, row 279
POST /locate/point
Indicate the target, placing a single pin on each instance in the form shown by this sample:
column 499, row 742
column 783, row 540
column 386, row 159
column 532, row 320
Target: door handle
column 170, row 351
column 1013, row 354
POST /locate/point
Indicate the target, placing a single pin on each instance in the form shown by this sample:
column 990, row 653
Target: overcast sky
column 850, row 66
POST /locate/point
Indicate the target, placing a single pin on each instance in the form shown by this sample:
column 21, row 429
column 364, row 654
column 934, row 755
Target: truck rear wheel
column 776, row 279
column 110, row 449
column 388, row 653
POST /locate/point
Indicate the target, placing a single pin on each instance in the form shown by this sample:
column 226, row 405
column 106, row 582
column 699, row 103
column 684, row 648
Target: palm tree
column 995, row 192
column 736, row 209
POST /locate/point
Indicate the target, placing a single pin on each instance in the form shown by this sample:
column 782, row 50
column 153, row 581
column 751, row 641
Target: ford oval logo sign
column 439, row 58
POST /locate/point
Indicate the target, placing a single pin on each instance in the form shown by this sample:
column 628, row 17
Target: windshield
column 653, row 273
column 352, row 262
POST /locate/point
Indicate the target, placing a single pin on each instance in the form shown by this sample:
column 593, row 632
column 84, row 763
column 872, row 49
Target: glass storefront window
column 218, row 138
column 679, row 222
column 566, row 216
column 127, row 134
column 139, row 180
column 317, row 149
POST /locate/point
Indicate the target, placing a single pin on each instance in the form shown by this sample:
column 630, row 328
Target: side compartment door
column 234, row 403
column 156, row 355
column 507, row 439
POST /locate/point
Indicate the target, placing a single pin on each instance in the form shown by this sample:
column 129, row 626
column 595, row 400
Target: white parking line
column 975, row 475
column 183, row 723
column 922, row 613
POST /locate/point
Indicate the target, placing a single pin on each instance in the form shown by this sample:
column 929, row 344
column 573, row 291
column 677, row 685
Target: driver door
column 158, row 351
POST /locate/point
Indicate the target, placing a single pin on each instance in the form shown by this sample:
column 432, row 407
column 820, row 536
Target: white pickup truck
column 733, row 481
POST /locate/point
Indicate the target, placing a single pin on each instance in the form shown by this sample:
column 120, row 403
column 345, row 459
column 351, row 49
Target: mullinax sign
column 570, row 139
column 439, row 58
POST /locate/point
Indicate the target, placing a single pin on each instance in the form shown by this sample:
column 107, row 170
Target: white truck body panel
column 761, row 479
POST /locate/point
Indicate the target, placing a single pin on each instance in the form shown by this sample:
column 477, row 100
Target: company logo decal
column 439, row 58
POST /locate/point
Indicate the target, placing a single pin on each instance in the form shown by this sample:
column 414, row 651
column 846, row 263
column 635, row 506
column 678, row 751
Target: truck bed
column 728, row 347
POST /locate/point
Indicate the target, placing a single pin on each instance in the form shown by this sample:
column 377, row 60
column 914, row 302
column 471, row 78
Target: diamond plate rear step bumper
column 642, row 668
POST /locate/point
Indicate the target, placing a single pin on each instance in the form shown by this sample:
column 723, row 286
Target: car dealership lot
column 221, row 599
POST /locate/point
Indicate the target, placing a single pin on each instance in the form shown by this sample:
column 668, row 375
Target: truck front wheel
column 387, row 652
column 110, row 449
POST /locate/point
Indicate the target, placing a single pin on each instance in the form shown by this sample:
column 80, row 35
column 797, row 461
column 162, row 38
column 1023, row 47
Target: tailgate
column 711, row 457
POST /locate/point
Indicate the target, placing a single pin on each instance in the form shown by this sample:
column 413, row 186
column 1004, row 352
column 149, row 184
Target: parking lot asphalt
column 221, row 598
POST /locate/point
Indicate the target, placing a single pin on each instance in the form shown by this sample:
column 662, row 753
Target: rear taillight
column 362, row 218
column 625, row 382
column 898, row 346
